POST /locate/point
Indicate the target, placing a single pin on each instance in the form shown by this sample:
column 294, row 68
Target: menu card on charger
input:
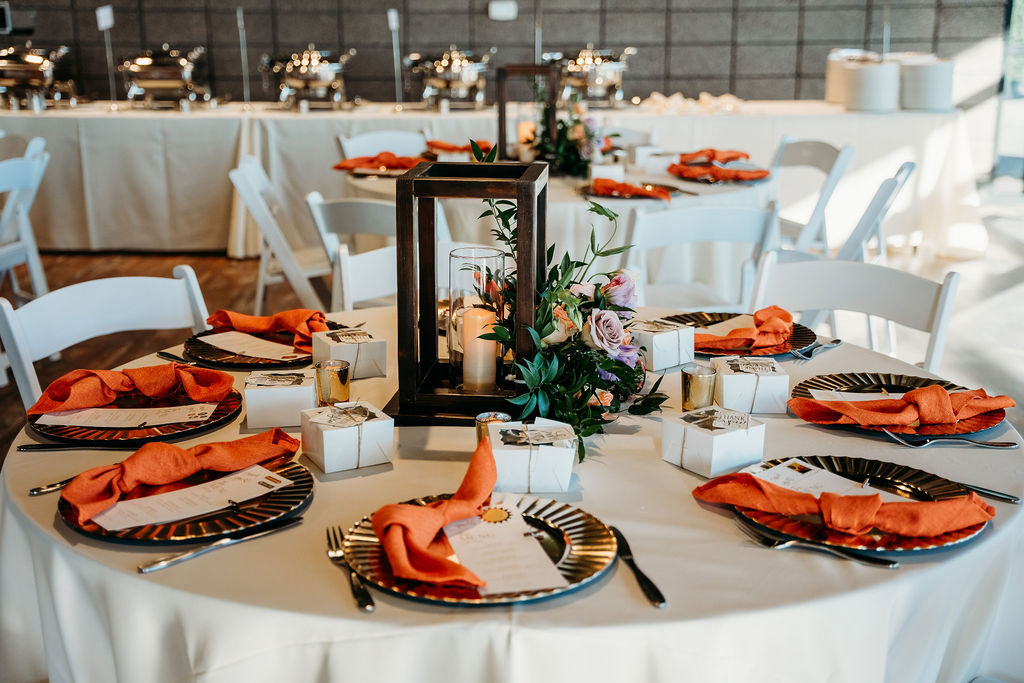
column 797, row 475
column 723, row 328
column 244, row 344
column 129, row 418
column 499, row 547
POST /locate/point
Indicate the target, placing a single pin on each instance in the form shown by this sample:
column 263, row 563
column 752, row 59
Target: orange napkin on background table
column 93, row 388
column 849, row 514
column 922, row 406
column 610, row 188
column 709, row 155
column 385, row 160
column 302, row 322
column 699, row 171
column 442, row 146
column 411, row 534
column 773, row 328
column 160, row 467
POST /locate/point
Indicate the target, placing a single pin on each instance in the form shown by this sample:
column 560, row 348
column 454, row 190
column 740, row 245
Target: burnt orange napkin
column 610, row 188
column 709, row 155
column 160, row 467
column 700, row 171
column 300, row 321
column 849, row 514
column 773, row 328
column 922, row 406
column 442, row 146
column 385, row 160
column 411, row 534
column 93, row 388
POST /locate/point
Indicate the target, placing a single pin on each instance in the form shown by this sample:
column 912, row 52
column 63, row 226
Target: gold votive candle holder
column 484, row 419
column 332, row 382
column 698, row 386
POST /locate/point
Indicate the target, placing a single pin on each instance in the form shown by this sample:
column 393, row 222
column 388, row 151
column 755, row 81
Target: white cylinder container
column 927, row 85
column 835, row 83
column 872, row 86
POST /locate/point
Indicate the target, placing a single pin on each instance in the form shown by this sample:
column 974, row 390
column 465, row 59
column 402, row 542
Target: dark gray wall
column 757, row 49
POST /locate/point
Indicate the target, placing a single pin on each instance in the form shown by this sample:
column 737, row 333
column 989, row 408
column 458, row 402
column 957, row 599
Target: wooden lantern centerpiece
column 552, row 73
column 427, row 393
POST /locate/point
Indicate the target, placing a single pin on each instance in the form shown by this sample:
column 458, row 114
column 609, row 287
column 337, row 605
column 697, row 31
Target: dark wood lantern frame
column 553, row 74
column 423, row 394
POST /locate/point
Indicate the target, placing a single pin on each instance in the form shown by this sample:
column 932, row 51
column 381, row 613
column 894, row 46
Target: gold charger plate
column 587, row 190
column 902, row 480
column 581, row 546
column 801, row 338
column 198, row 350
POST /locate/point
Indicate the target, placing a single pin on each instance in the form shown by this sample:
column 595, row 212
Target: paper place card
column 713, row 418
column 655, row 326
column 196, row 500
column 821, row 395
column 726, row 326
column 755, row 366
column 279, row 379
column 350, row 336
column 129, row 418
column 341, row 417
column 244, row 344
column 797, row 475
column 499, row 547
column 536, row 436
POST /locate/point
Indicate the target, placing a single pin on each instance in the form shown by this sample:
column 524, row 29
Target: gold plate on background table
column 587, row 190
column 901, row 480
column 284, row 502
column 377, row 172
column 228, row 408
column 208, row 354
column 801, row 338
column 877, row 382
column 710, row 180
column 581, row 546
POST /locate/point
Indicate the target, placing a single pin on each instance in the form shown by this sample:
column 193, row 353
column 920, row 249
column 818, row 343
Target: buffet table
column 74, row 608
column 158, row 180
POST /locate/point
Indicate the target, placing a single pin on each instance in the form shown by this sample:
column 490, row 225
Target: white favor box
column 279, row 405
column 712, row 441
column 532, row 469
column 345, row 448
column 616, row 172
column 666, row 344
column 751, row 384
column 368, row 358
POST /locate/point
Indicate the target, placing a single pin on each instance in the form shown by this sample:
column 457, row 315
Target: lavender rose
column 603, row 331
column 621, row 291
column 584, row 290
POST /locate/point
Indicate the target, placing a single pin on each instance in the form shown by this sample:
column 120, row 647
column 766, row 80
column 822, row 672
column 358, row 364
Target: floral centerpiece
column 576, row 144
column 585, row 367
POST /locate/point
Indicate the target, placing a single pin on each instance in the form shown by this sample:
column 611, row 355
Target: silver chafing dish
column 457, row 77
column 29, row 76
column 308, row 76
column 593, row 75
column 167, row 76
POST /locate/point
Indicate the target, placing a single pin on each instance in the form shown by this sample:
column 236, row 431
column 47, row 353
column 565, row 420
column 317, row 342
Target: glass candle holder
column 476, row 277
column 698, row 386
column 484, row 419
column 332, row 382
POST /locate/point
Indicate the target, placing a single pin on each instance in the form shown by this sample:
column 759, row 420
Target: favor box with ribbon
column 712, row 441
column 347, row 435
column 665, row 344
column 367, row 355
column 275, row 399
column 750, row 384
column 534, row 458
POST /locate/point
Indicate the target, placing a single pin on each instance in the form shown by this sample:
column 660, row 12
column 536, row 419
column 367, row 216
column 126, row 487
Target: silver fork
column 778, row 543
column 809, row 353
column 925, row 441
column 335, row 539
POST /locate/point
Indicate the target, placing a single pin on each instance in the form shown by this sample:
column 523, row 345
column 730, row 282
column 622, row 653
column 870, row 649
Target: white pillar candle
column 479, row 356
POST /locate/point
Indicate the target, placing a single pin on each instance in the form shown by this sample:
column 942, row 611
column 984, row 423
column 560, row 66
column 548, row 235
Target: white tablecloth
column 158, row 180
column 74, row 608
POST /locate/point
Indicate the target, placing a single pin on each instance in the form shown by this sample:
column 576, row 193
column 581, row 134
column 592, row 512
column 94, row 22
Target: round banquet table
column 569, row 223
column 74, row 608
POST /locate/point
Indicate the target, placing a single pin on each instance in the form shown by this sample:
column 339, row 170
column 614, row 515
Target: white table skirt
column 74, row 608
column 158, row 180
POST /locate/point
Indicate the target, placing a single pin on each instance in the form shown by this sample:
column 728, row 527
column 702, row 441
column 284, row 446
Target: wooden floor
column 226, row 283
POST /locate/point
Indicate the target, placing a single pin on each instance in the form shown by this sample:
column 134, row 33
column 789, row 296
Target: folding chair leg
column 261, row 281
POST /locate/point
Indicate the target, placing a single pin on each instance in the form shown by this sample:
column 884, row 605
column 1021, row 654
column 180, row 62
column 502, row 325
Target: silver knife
column 646, row 585
column 112, row 446
column 247, row 535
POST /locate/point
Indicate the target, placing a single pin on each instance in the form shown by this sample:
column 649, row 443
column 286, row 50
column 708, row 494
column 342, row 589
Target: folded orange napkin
column 922, row 406
column 700, row 171
column 410, row 534
column 773, row 327
column 383, row 160
column 93, row 388
column 849, row 514
column 610, row 188
column 442, row 146
column 709, row 155
column 161, row 467
column 302, row 322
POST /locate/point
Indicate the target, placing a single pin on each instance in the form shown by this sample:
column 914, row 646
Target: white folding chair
column 660, row 229
column 830, row 161
column 401, row 143
column 61, row 318
column 863, row 288
column 279, row 260
column 20, row 178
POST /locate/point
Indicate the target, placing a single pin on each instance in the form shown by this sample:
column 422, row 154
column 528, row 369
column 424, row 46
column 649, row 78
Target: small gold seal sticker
column 495, row 515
